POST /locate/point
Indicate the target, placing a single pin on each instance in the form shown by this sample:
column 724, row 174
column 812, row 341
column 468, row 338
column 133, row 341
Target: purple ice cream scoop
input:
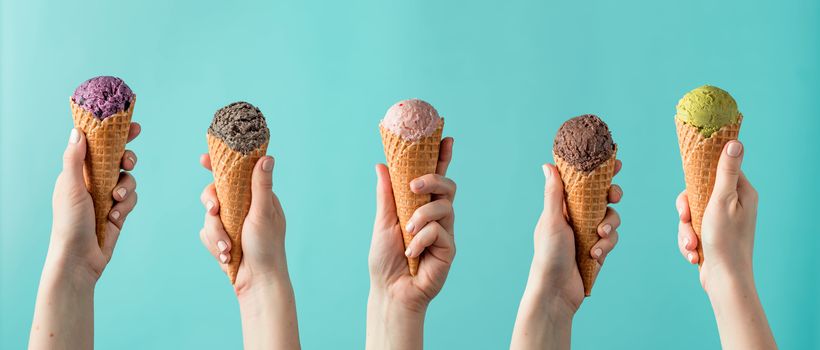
column 103, row 96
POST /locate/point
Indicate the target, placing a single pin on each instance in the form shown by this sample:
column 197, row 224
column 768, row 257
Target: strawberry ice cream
column 411, row 119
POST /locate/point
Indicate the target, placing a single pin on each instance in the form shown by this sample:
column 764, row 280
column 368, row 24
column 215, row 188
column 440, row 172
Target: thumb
column 262, row 186
column 728, row 169
column 74, row 157
column 553, row 192
column 385, row 204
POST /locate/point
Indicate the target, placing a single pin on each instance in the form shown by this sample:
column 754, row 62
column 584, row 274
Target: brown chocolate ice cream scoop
column 584, row 142
column 241, row 126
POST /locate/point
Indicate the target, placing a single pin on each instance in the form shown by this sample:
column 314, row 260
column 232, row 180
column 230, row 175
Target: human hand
column 263, row 233
column 554, row 268
column 728, row 228
column 64, row 310
column 432, row 228
column 73, row 243
column 555, row 289
column 398, row 302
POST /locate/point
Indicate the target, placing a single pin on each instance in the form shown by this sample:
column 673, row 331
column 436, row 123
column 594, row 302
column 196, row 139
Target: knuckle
column 614, row 237
column 76, row 193
column 753, row 194
column 729, row 169
column 69, row 157
column 440, row 230
column 445, row 202
column 260, row 218
column 205, row 195
column 554, row 224
column 132, row 181
column 725, row 198
column 613, row 212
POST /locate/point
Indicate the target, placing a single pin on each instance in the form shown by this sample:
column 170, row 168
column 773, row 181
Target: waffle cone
column 105, row 140
column 406, row 161
column 700, row 157
column 232, row 179
column 586, row 199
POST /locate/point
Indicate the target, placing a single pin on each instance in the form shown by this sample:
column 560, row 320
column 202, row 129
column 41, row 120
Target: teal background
column 325, row 72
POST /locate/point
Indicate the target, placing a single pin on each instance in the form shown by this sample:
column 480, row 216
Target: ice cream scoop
column 103, row 96
column 411, row 119
column 584, row 142
column 707, row 108
column 241, row 126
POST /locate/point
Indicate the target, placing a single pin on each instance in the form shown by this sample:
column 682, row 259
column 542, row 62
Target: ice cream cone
column 700, row 157
column 106, row 140
column 232, row 178
column 406, row 161
column 586, row 199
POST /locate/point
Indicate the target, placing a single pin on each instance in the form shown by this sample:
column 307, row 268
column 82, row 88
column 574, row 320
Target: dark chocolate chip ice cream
column 241, row 126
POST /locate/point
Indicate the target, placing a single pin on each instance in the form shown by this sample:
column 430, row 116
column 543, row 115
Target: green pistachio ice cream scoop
column 707, row 108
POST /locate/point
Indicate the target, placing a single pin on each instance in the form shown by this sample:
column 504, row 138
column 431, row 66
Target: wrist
column 722, row 278
column 383, row 300
column 549, row 300
column 730, row 286
column 550, row 293
column 67, row 269
column 393, row 324
column 265, row 276
column 262, row 288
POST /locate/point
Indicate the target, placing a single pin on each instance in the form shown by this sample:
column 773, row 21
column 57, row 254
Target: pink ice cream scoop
column 411, row 119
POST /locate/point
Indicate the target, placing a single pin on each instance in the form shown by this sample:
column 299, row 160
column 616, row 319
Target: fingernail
column 209, row 205
column 410, row 226
column 547, row 172
column 686, row 243
column 417, row 184
column 122, row 192
column 223, row 258
column 222, row 246
column 734, row 149
column 597, row 252
column 690, row 257
column 607, row 228
column 115, row 214
column 74, row 137
column 133, row 160
column 267, row 164
column 408, row 252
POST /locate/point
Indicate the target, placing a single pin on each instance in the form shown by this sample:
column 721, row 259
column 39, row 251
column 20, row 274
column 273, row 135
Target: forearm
column 392, row 326
column 64, row 311
column 268, row 312
column 740, row 317
column 543, row 321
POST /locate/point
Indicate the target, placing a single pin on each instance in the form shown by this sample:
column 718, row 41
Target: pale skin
column 554, row 290
column 726, row 275
column 64, row 310
column 263, row 288
column 398, row 302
